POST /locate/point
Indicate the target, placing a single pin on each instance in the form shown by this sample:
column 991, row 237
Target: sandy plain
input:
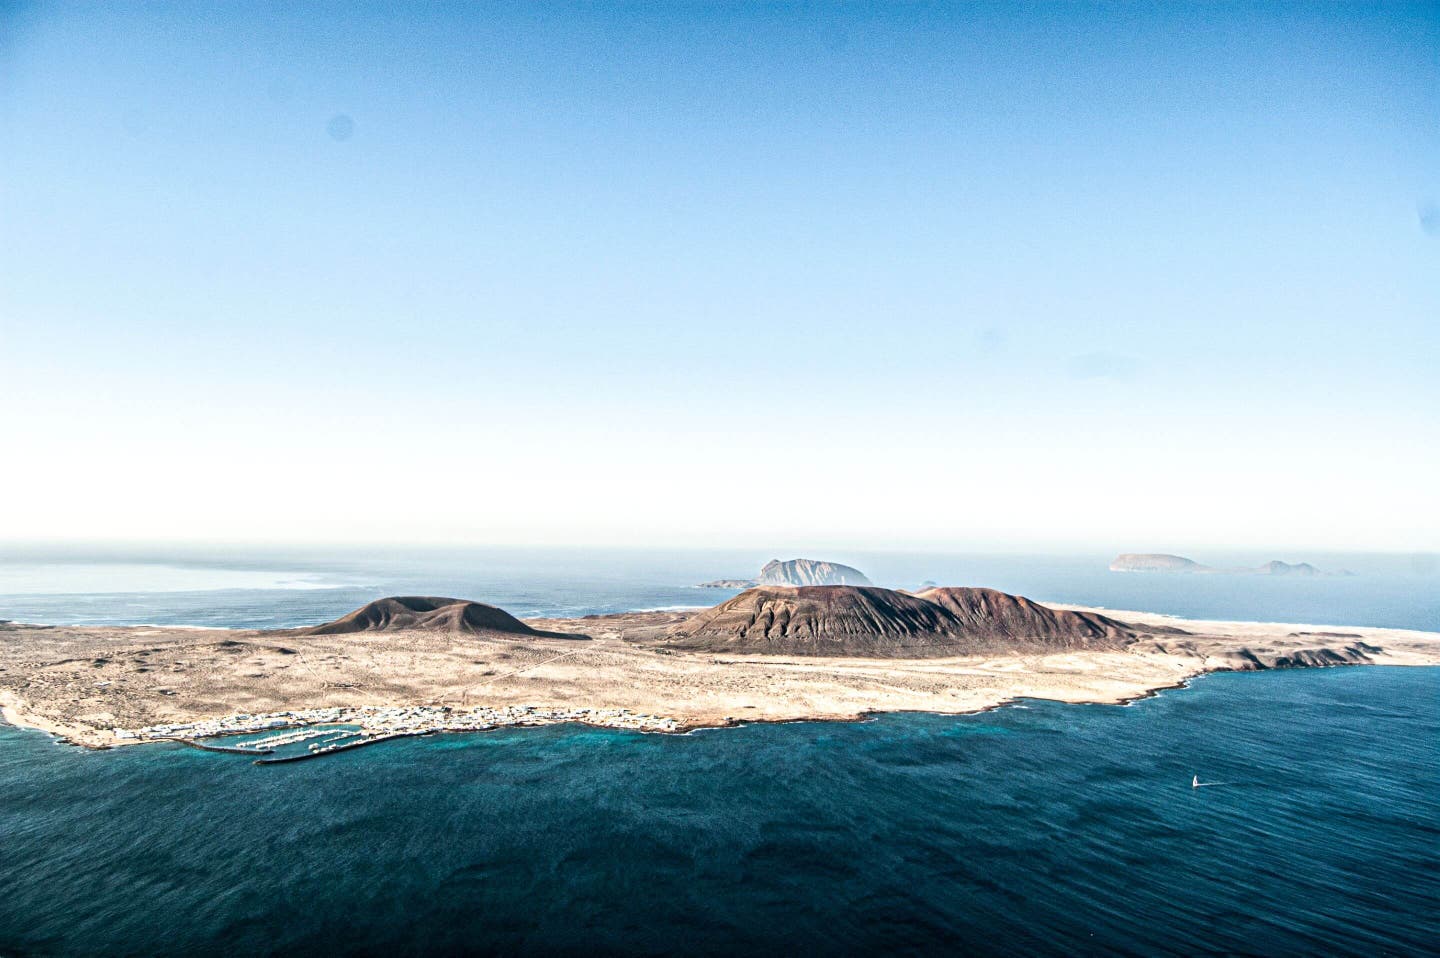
column 103, row 686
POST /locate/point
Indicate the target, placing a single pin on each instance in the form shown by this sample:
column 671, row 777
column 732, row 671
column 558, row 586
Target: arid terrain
column 702, row 668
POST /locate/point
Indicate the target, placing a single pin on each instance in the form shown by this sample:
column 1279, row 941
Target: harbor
column 272, row 742
column 232, row 749
column 338, row 745
column 329, row 731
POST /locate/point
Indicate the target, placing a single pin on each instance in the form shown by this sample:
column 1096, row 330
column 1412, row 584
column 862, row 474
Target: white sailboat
column 1195, row 782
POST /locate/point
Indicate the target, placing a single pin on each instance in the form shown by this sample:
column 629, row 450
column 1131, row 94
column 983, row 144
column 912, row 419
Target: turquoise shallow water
column 1042, row 829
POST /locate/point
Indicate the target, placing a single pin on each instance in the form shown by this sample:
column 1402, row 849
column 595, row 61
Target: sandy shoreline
column 101, row 740
column 105, row 687
column 13, row 712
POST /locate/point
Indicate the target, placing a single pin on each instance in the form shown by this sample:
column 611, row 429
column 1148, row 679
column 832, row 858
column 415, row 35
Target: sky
column 955, row 276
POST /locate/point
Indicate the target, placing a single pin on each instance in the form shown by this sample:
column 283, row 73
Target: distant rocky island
column 795, row 572
column 1165, row 563
column 1155, row 562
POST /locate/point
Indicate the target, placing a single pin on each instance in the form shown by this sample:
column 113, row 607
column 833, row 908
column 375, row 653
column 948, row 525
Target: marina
column 331, row 749
column 287, row 738
column 330, row 740
column 327, row 731
column 232, row 749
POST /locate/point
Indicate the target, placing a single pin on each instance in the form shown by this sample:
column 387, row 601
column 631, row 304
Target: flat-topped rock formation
column 809, row 572
column 411, row 613
column 870, row 621
column 1161, row 562
column 796, row 572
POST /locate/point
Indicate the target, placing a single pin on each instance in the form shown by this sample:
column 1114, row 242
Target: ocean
column 1038, row 828
column 252, row 588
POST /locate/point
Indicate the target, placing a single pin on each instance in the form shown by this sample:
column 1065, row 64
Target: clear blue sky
column 964, row 276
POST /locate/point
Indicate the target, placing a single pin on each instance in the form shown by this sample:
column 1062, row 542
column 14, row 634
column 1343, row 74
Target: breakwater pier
column 332, row 749
column 232, row 749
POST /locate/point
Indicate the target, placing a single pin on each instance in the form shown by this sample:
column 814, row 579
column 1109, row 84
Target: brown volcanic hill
column 429, row 614
column 815, row 620
column 869, row 621
column 1000, row 615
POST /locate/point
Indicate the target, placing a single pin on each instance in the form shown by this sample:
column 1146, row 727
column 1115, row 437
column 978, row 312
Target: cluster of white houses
column 402, row 720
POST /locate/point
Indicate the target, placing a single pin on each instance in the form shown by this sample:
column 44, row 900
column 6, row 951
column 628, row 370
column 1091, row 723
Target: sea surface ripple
column 1048, row 829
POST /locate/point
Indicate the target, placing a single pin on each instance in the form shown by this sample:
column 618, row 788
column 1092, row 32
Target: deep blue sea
column 1048, row 829
column 1039, row 828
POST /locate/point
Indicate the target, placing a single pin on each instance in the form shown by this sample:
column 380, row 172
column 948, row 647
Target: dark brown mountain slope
column 991, row 614
column 429, row 614
column 816, row 620
column 869, row 621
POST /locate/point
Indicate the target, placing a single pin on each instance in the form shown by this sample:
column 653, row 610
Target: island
column 796, row 572
column 416, row 665
column 1155, row 562
column 1165, row 563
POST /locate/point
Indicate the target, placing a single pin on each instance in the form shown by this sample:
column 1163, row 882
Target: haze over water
column 284, row 587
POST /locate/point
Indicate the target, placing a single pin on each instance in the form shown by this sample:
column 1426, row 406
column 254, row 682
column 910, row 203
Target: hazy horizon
column 242, row 553
column 991, row 277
